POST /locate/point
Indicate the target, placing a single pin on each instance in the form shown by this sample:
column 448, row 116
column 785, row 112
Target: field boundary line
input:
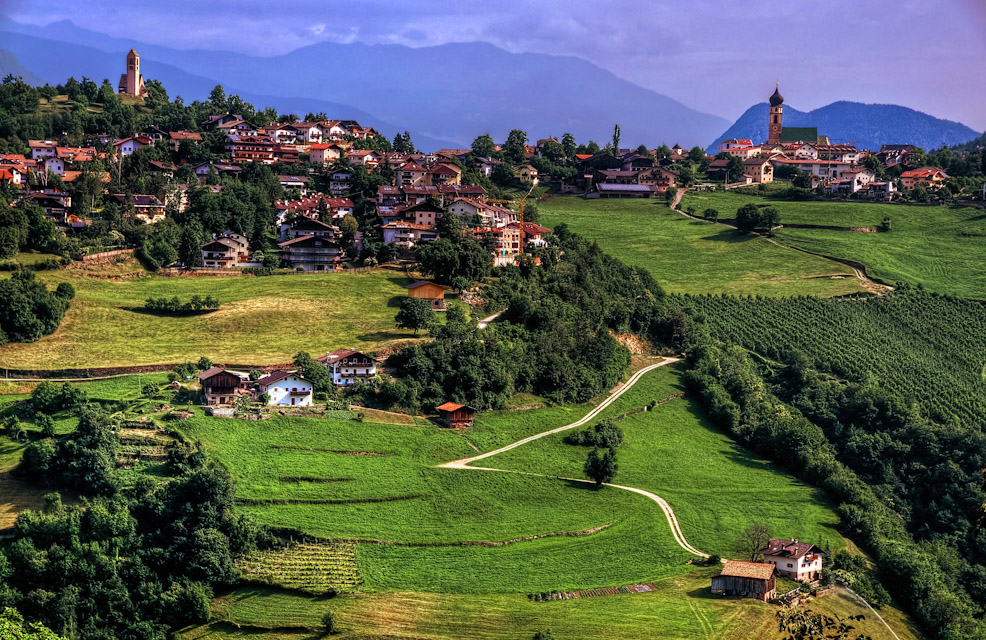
column 676, row 532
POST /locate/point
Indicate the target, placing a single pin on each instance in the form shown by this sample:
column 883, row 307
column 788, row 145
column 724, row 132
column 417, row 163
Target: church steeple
column 774, row 124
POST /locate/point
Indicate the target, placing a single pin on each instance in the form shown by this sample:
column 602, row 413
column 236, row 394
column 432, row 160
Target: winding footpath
column 679, row 537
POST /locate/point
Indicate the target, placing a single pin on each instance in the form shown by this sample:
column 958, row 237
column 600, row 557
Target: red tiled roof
column 451, row 406
column 788, row 548
column 758, row 570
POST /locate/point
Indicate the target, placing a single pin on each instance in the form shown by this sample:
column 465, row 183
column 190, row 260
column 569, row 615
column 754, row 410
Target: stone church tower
column 776, row 115
column 131, row 82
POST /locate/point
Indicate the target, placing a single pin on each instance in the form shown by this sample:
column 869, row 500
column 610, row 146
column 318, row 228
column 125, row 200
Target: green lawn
column 437, row 506
column 716, row 487
column 263, row 320
column 689, row 256
column 939, row 247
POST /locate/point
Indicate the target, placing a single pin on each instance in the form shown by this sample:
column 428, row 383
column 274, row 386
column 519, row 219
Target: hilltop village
column 385, row 320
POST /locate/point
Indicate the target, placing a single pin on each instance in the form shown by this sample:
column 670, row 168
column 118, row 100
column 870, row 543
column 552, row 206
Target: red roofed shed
column 456, row 416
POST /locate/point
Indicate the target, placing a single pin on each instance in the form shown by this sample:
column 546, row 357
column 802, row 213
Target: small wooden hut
column 745, row 580
column 456, row 416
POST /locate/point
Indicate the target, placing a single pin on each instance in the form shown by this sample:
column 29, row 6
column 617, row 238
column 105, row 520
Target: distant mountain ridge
column 868, row 126
column 10, row 65
column 451, row 92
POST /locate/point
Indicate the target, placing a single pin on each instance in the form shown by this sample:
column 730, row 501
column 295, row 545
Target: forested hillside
column 879, row 401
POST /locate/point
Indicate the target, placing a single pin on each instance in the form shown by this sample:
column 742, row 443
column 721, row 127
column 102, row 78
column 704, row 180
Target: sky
column 717, row 56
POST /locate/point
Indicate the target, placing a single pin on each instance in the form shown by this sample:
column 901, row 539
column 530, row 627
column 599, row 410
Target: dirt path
column 864, row 281
column 482, row 324
column 676, row 532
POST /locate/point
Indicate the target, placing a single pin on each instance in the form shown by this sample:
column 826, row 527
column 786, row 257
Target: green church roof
column 799, row 134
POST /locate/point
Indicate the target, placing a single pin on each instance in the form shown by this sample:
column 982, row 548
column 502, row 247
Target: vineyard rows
column 924, row 348
column 309, row 567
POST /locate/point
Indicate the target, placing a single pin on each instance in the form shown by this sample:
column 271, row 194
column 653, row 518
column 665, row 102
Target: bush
column 204, row 363
column 45, row 397
column 148, row 390
column 602, row 435
column 329, row 623
column 46, row 424
column 173, row 305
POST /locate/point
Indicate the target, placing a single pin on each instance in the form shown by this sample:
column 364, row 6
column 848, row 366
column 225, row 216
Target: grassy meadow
column 716, row 487
column 262, row 320
column 690, row 256
column 938, row 247
column 681, row 608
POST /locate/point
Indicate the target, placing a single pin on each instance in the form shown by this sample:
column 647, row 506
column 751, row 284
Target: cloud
column 713, row 55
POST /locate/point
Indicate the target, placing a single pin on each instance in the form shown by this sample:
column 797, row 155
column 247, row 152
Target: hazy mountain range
column 446, row 95
column 866, row 125
column 451, row 92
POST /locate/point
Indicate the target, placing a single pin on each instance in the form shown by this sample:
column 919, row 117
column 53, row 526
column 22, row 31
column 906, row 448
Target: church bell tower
column 776, row 116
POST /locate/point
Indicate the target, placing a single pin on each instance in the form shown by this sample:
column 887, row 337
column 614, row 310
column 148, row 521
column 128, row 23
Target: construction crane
column 520, row 209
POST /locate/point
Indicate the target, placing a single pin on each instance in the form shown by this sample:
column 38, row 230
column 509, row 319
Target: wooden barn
column 456, row 416
column 220, row 387
column 745, row 580
column 435, row 293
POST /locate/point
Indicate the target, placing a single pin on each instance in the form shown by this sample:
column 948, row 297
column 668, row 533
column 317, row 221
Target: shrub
column 329, row 623
column 603, row 435
column 46, row 424
column 45, row 397
column 204, row 363
column 195, row 304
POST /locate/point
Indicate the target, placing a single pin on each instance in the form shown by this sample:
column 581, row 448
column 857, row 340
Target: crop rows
column 924, row 348
column 309, row 567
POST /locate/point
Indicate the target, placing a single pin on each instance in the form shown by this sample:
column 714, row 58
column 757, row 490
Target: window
column 789, row 565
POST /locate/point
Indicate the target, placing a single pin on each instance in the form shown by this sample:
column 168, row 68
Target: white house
column 347, row 366
column 799, row 561
column 286, row 389
column 55, row 165
column 127, row 146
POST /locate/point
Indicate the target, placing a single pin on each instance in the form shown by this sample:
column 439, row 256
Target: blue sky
column 715, row 55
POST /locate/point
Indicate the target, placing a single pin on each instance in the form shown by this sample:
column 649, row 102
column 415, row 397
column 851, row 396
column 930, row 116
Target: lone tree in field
column 748, row 217
column 711, row 214
column 415, row 314
column 544, row 635
column 755, row 538
column 329, row 623
column 601, row 468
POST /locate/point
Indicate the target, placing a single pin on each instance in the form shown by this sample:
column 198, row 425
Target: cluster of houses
column 791, row 559
column 836, row 167
column 221, row 388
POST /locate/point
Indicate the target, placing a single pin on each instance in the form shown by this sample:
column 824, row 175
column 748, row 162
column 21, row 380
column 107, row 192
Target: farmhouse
column 221, row 386
column 745, row 580
column 347, row 366
column 758, row 170
column 799, row 561
column 286, row 389
column 428, row 291
column 455, row 416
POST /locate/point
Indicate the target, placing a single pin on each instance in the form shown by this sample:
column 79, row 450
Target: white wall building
column 286, row 389
column 347, row 366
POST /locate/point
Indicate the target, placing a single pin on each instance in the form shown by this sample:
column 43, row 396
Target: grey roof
column 635, row 188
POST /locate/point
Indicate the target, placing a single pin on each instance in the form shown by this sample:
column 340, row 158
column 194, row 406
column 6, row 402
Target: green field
column 716, row 487
column 690, row 256
column 263, row 320
column 439, row 592
column 938, row 247
column 680, row 609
